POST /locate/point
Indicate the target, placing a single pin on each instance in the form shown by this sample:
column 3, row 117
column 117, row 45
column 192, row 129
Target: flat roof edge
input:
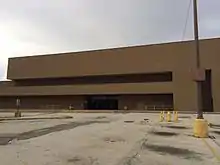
column 115, row 48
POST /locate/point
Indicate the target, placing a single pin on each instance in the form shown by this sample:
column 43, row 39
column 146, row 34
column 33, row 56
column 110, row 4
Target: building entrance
column 102, row 103
column 207, row 101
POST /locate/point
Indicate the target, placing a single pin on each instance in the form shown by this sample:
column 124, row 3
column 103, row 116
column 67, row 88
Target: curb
column 35, row 118
column 130, row 111
column 99, row 111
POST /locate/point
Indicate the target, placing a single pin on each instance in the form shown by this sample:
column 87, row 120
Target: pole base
column 200, row 128
column 17, row 114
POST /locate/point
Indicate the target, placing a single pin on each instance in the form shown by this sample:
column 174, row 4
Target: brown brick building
column 139, row 78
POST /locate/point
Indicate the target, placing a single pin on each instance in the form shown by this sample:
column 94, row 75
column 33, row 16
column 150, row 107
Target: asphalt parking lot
column 106, row 139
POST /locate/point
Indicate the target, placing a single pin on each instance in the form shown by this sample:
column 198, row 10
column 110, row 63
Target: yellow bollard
column 169, row 116
column 175, row 116
column 161, row 116
column 200, row 128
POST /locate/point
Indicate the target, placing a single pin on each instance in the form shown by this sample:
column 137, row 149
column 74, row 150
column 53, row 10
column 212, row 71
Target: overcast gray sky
column 29, row 27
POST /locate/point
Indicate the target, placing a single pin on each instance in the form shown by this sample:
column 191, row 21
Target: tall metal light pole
column 199, row 71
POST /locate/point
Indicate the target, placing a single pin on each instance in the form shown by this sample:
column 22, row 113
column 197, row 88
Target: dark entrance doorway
column 102, row 103
column 207, row 101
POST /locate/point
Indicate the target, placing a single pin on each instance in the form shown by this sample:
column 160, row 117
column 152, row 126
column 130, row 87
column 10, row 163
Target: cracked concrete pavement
column 110, row 139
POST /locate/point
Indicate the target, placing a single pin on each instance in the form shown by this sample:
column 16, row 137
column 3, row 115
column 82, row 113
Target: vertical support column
column 185, row 91
column 216, row 90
